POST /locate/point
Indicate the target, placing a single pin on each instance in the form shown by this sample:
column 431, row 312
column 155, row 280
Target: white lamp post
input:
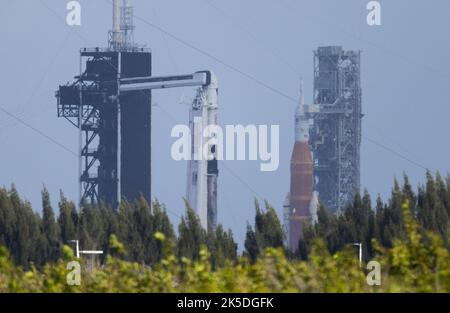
column 78, row 251
column 359, row 245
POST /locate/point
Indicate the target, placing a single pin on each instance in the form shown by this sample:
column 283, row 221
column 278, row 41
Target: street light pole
column 78, row 252
column 359, row 245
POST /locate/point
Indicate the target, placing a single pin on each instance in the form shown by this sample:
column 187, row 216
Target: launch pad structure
column 112, row 163
column 336, row 132
column 110, row 104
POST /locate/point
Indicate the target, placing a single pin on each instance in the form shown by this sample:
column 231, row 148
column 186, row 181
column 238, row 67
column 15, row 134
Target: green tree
column 7, row 220
column 191, row 235
column 268, row 229
column 221, row 246
column 67, row 219
column 50, row 229
column 251, row 245
column 161, row 224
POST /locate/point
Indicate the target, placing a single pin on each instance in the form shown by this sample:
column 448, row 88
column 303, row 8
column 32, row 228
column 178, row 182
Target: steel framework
column 114, row 129
column 90, row 104
column 336, row 133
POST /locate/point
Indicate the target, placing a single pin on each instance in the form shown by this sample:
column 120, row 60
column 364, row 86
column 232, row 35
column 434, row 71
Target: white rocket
column 202, row 167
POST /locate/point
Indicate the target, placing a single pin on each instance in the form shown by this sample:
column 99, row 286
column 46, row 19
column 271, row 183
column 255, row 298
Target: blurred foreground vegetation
column 408, row 236
column 421, row 263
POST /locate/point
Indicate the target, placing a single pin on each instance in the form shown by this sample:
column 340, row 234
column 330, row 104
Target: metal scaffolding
column 336, row 134
column 90, row 104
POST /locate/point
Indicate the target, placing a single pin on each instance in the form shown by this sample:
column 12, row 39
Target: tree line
column 35, row 239
column 417, row 263
column 361, row 222
column 38, row 239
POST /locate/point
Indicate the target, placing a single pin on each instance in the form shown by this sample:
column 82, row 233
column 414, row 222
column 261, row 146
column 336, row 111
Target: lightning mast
column 121, row 37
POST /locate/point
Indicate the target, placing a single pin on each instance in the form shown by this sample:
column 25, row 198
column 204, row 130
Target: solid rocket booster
column 302, row 199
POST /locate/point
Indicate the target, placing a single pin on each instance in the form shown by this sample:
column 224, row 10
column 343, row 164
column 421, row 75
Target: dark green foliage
column 221, row 246
column 268, row 229
column 192, row 238
column 160, row 223
column 67, row 220
column 50, row 229
column 360, row 222
column 21, row 230
column 191, row 235
column 34, row 239
column 251, row 245
column 433, row 206
column 268, row 232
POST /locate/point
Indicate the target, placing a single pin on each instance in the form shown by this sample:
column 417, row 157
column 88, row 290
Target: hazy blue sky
column 405, row 81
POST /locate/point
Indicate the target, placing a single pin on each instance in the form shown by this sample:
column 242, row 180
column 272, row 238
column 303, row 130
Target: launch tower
column 110, row 104
column 336, row 131
column 114, row 129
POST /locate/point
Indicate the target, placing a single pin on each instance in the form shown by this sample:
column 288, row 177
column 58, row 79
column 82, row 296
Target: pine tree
column 221, row 246
column 162, row 224
column 50, row 229
column 110, row 228
column 16, row 244
column 373, row 231
column 7, row 220
column 268, row 229
column 365, row 232
column 191, row 235
column 84, row 229
column 230, row 246
column 141, row 230
column 448, row 195
column 305, row 242
column 25, row 234
column 324, row 221
column 408, row 194
column 128, row 231
column 394, row 225
column 331, row 228
column 442, row 214
column 66, row 222
column 251, row 245
column 432, row 213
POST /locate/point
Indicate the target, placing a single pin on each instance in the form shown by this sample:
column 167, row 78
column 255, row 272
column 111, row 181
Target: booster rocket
column 301, row 203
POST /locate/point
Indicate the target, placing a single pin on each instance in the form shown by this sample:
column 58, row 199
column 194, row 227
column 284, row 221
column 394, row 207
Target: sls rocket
column 301, row 202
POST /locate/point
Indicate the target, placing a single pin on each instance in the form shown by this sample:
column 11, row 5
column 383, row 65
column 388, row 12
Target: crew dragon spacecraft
column 302, row 201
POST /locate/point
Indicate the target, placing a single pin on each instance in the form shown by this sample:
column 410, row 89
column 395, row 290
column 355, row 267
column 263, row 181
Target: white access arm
column 160, row 82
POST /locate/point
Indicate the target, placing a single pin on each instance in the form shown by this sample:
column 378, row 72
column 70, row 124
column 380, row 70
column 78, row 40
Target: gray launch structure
column 336, row 131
